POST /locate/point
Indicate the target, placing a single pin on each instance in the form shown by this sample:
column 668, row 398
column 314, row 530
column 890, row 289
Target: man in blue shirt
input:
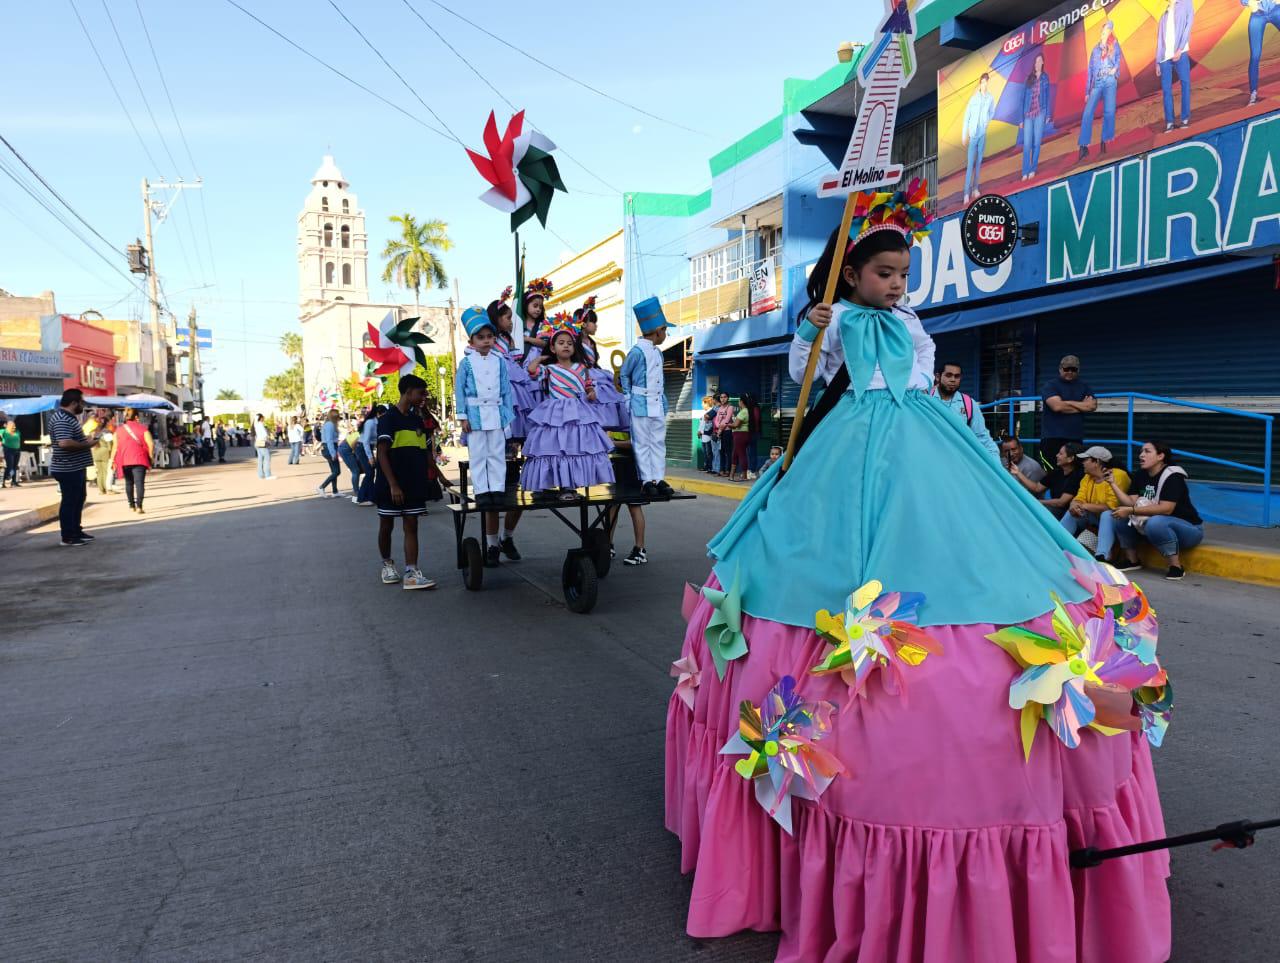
column 1066, row 401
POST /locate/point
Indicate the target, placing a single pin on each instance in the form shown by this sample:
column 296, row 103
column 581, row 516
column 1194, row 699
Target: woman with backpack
column 1157, row 507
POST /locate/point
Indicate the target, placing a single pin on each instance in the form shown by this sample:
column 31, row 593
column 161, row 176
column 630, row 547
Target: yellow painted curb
column 1259, row 567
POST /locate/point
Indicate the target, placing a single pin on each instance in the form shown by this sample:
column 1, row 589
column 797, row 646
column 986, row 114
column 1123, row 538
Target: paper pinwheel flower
column 876, row 630
column 589, row 304
column 688, row 677
column 539, row 287
column 1137, row 629
column 521, row 169
column 395, row 347
column 903, row 211
column 1056, row 671
column 723, row 633
column 1155, row 709
column 779, row 740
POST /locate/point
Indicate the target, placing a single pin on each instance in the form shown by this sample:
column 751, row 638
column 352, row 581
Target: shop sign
column 20, row 363
column 1215, row 195
column 764, row 288
column 29, row 388
column 990, row 230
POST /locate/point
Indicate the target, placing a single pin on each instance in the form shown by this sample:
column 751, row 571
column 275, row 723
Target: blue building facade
column 1160, row 270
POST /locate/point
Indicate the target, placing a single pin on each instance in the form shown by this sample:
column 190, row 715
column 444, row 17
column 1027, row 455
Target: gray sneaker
column 389, row 574
column 413, row 579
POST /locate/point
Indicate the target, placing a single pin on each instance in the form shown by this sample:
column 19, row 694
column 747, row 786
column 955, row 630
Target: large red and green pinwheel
column 395, row 347
column 520, row 168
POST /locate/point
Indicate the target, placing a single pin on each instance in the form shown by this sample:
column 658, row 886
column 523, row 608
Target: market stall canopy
column 42, row 403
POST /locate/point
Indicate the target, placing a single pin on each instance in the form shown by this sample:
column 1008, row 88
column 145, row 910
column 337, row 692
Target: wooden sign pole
column 833, row 279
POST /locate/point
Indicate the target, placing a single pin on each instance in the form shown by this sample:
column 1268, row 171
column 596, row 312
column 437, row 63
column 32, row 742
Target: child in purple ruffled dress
column 525, row 392
column 566, row 446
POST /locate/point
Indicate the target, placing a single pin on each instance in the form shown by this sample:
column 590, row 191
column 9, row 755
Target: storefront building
column 27, row 374
column 88, row 355
column 1152, row 257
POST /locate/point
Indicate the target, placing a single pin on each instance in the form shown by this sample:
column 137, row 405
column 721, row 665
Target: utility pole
column 160, row 210
column 197, row 390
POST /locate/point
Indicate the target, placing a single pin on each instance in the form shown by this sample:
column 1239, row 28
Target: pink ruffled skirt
column 940, row 843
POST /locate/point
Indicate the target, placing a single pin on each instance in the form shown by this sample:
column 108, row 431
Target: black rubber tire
column 598, row 547
column 472, row 565
column 578, row 579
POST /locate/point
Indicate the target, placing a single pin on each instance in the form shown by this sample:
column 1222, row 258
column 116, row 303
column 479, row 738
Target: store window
column 915, row 147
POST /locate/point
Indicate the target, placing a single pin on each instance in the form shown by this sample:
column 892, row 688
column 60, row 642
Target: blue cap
column 475, row 318
column 649, row 315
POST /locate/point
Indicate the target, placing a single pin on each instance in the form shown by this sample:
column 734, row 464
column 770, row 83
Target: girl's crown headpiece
column 538, row 288
column 902, row 211
column 589, row 304
column 505, row 296
column 560, row 322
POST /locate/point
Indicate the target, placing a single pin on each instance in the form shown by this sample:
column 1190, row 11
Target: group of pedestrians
column 728, row 432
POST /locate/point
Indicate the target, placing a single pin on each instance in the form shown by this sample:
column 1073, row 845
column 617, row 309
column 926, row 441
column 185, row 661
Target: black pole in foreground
column 1236, row 835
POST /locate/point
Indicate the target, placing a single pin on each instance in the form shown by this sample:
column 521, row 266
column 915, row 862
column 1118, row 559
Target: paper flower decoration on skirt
column 1155, row 710
column 521, row 169
column 1056, row 671
column 688, row 677
column 395, row 347
column 723, row 634
column 1137, row 629
column 877, row 630
column 779, row 739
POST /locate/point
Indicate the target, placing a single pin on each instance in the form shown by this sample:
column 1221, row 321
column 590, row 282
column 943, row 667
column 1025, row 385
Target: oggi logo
column 1014, row 42
column 991, row 233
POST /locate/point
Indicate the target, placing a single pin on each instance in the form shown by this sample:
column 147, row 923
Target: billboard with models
column 1093, row 81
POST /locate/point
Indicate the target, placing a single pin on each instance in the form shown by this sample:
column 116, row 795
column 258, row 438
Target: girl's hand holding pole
column 819, row 315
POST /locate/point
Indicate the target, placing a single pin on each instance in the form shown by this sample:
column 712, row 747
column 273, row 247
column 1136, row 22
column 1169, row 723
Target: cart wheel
column 598, row 547
column 578, row 578
column 472, row 565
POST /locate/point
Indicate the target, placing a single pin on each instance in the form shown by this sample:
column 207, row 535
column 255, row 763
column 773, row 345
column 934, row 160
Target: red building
column 88, row 356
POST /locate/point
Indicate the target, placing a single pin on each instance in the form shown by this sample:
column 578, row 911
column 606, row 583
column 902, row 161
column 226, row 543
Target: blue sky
column 258, row 117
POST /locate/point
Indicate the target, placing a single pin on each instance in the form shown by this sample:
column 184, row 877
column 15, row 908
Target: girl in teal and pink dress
column 905, row 694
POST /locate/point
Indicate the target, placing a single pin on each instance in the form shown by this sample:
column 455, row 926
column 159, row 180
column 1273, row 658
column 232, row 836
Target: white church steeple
column 332, row 243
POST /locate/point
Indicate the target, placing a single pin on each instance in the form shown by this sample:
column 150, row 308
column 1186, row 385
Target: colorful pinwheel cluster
column 395, row 347
column 1137, row 629
column 688, row 677
column 876, row 630
column 559, row 322
column 539, row 287
column 520, row 168
column 1081, row 676
column 902, row 211
column 779, row 739
column 365, row 380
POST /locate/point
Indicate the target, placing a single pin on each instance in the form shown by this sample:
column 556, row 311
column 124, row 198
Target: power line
column 335, row 70
column 204, row 215
column 138, row 83
column 571, row 79
column 106, row 73
column 399, row 76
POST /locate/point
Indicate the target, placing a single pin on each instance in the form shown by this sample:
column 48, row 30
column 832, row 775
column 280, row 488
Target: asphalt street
column 221, row 737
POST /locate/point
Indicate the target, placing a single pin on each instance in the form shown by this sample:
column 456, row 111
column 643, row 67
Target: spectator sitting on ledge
column 1059, row 485
column 1095, row 498
column 1012, row 455
column 1155, row 505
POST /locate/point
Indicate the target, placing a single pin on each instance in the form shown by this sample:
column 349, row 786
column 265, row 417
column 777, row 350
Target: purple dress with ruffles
column 566, row 446
column 526, row 394
column 615, row 414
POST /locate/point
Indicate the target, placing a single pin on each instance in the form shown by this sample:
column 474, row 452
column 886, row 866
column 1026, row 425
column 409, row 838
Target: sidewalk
column 31, row 504
column 1228, row 551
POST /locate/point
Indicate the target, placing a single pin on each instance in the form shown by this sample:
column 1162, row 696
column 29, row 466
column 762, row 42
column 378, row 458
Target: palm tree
column 228, row 394
column 411, row 258
column 291, row 345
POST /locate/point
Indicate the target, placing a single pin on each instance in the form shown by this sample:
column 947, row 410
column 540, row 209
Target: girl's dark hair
column 861, row 253
column 548, row 355
column 494, row 311
column 1164, row 451
column 580, row 318
column 748, row 401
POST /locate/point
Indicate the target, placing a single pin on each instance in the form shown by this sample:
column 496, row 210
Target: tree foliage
column 412, row 260
column 288, row 388
column 291, row 345
column 228, row 394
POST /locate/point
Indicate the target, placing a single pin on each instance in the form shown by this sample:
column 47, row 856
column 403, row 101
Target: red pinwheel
column 520, row 168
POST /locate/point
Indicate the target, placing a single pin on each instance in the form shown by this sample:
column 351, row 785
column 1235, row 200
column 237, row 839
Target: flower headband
column 589, row 304
column 505, row 296
column 559, row 323
column 901, row 211
column 538, row 288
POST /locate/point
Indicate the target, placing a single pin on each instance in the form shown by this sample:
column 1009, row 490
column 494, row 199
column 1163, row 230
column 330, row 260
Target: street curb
column 1239, row 565
column 21, row 521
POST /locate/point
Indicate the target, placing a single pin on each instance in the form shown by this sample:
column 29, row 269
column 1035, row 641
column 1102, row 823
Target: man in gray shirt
column 1011, row 454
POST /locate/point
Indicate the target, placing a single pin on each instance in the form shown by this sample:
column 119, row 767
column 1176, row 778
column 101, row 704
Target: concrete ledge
column 30, row 518
column 1239, row 564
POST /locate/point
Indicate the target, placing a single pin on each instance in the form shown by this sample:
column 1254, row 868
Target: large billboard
column 1094, row 81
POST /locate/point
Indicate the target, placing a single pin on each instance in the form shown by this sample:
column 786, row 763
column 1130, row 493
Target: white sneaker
column 322, row 492
column 389, row 574
column 354, row 501
column 413, row 579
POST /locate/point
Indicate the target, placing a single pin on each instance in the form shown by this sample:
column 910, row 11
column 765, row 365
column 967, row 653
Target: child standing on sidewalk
column 566, row 447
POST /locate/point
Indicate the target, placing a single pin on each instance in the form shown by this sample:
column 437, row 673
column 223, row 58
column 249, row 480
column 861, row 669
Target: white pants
column 487, row 454
column 649, row 441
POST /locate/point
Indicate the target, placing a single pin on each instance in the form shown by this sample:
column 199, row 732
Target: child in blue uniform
column 482, row 394
column 641, row 378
